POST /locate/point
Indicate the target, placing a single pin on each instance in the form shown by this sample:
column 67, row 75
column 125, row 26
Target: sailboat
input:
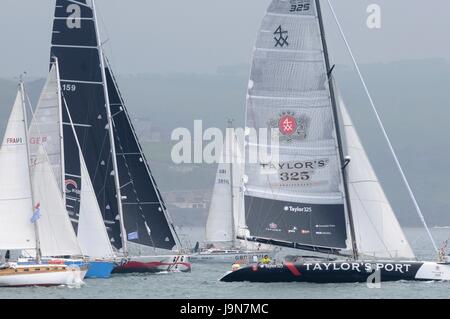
column 323, row 196
column 28, row 185
column 135, row 215
column 226, row 218
column 46, row 131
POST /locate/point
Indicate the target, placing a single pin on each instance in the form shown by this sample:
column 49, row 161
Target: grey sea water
column 203, row 283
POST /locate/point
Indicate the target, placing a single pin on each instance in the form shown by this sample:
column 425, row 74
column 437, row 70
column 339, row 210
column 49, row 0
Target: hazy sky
column 199, row 35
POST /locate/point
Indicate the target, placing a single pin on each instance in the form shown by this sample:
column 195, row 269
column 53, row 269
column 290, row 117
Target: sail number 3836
column 300, row 7
column 295, row 176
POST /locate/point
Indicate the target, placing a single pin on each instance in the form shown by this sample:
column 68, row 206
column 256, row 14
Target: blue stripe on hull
column 100, row 269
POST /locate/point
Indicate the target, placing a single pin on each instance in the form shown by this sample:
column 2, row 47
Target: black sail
column 74, row 44
column 145, row 218
column 298, row 201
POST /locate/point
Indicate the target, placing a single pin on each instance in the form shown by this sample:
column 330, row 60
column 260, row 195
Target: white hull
column 228, row 257
column 67, row 277
column 433, row 271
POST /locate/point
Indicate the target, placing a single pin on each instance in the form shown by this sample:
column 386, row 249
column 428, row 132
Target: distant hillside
column 412, row 98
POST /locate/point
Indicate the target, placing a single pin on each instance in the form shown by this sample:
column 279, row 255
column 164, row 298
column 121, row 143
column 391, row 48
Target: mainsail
column 301, row 198
column 306, row 199
column 84, row 82
column 75, row 44
column 16, row 230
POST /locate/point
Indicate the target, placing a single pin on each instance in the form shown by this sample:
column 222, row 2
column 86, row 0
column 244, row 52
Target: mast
column 25, row 123
column 233, row 222
column 111, row 136
column 338, row 132
column 61, row 132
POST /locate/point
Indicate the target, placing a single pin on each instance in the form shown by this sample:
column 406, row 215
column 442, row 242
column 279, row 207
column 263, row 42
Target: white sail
column 226, row 218
column 45, row 128
column 92, row 234
column 219, row 225
column 16, row 207
column 56, row 233
column 378, row 233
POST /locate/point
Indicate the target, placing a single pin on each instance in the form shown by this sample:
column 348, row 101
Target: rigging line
column 380, row 123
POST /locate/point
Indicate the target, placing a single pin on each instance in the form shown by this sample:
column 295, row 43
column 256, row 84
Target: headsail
column 92, row 234
column 378, row 233
column 56, row 234
column 145, row 216
column 301, row 199
column 75, row 44
column 16, row 230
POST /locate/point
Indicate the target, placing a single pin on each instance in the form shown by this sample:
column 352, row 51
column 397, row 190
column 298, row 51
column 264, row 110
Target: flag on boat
column 37, row 213
column 133, row 236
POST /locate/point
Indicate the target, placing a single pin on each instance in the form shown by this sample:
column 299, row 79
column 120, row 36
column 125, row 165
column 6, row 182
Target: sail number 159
column 69, row 87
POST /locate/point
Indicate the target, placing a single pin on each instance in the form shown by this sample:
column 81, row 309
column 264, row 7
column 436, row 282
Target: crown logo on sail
column 290, row 126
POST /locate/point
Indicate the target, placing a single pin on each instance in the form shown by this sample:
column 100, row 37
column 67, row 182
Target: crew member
column 266, row 260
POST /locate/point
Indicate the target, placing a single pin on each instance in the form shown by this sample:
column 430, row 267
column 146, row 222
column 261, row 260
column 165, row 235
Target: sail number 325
column 300, row 7
column 295, row 176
